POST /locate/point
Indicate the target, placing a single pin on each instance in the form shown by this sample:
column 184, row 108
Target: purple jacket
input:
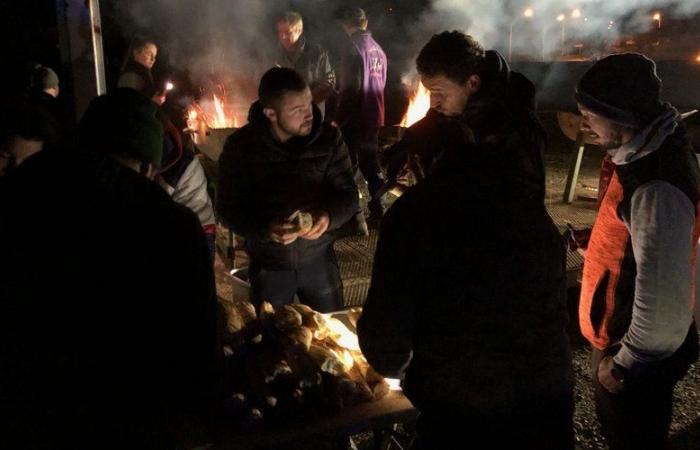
column 361, row 83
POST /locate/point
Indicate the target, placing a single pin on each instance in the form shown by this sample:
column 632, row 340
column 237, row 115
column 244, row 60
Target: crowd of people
column 109, row 329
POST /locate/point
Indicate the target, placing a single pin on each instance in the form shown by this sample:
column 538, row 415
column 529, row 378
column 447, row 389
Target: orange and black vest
column 609, row 271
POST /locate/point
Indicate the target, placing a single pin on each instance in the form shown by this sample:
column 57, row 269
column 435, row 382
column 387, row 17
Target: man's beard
column 299, row 131
column 615, row 141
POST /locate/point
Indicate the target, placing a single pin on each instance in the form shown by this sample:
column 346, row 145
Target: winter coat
column 107, row 308
column 468, row 288
column 312, row 63
column 361, row 81
column 261, row 180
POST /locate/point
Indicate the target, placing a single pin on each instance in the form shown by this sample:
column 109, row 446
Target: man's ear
column 270, row 114
column 474, row 83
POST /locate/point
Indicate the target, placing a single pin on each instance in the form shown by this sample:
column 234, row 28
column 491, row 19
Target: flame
column 221, row 119
column 418, row 106
column 342, row 336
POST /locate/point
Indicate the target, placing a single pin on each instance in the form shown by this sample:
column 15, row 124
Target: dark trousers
column 639, row 417
column 550, row 429
column 317, row 284
column 363, row 154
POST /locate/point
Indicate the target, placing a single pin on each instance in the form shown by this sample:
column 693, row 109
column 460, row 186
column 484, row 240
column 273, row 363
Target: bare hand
column 283, row 232
column 159, row 99
column 605, row 376
column 320, row 225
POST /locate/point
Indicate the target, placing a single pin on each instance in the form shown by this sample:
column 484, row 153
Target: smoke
column 555, row 26
column 231, row 43
column 225, row 44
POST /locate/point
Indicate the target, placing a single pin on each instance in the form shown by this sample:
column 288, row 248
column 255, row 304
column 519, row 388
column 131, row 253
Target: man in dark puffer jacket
column 287, row 160
column 477, row 323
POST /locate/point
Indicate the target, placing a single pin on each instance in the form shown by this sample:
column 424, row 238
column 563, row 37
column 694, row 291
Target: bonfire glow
column 342, row 335
column 221, row 118
column 418, row 106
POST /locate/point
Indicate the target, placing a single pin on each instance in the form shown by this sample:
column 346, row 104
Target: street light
column 657, row 18
column 576, row 13
column 528, row 13
column 560, row 19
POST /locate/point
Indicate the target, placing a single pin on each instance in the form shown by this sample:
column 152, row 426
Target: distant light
column 612, row 22
column 561, row 17
column 528, row 12
column 169, row 86
column 697, row 58
column 576, row 13
column 656, row 16
column 585, row 19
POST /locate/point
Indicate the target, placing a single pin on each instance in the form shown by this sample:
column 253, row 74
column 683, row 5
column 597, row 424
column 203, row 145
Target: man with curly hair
column 476, row 326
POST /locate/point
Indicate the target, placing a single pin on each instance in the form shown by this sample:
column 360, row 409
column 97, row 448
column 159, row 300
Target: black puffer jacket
column 477, row 321
column 261, row 180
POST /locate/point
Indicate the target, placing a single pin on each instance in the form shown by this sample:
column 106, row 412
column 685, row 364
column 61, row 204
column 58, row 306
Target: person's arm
column 341, row 199
column 349, row 85
column 235, row 197
column 661, row 225
column 323, row 83
column 387, row 326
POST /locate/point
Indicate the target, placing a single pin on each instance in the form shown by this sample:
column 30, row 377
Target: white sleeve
column 191, row 191
column 661, row 227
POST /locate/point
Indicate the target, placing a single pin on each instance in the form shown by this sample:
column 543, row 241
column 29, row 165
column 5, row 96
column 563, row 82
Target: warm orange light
column 576, row 13
column 418, row 106
column 697, row 58
column 529, row 12
column 561, row 17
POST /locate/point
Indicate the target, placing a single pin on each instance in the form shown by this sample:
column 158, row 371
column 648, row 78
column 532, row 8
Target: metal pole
column 510, row 42
column 572, row 176
column 98, row 52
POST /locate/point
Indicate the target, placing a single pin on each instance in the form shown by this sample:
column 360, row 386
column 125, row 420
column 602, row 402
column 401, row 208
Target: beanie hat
column 122, row 122
column 624, row 88
column 44, row 78
column 351, row 16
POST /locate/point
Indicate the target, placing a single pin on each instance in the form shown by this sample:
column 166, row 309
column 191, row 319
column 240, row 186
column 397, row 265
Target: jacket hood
column 499, row 82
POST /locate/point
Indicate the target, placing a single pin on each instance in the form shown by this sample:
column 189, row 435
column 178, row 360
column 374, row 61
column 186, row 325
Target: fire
column 342, row 335
column 221, row 119
column 418, row 106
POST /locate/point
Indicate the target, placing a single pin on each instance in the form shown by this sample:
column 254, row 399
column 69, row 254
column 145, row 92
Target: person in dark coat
column 476, row 323
column 309, row 59
column 108, row 334
column 360, row 111
column 136, row 69
column 284, row 161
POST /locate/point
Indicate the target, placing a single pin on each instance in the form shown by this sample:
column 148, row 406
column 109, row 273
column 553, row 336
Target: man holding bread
column 285, row 185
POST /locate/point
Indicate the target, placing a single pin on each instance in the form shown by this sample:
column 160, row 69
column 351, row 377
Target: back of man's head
column 122, row 123
column 452, row 54
column 43, row 79
column 352, row 18
column 276, row 82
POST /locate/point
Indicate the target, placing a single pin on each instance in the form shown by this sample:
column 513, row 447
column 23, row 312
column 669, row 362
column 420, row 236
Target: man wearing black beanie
column 637, row 288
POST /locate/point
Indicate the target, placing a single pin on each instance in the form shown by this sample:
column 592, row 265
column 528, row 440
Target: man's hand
column 321, row 222
column 606, row 378
column 283, row 232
